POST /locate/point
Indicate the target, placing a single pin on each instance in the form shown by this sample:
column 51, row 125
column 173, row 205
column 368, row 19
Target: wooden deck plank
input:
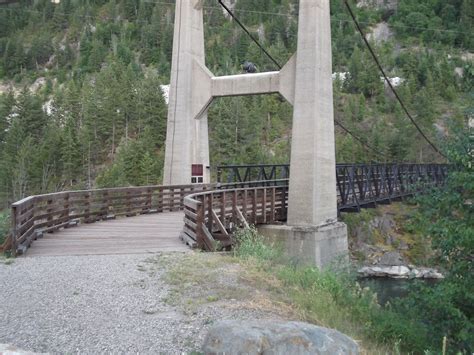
column 142, row 234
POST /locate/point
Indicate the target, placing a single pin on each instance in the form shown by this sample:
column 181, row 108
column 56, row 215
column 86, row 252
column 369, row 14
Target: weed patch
column 330, row 298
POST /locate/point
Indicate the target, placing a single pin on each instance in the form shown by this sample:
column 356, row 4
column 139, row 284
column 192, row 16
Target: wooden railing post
column 283, row 212
column 128, row 202
column 234, row 208
column 149, row 193
column 87, row 208
column 223, row 209
column 210, row 198
column 254, row 207
column 272, row 206
column 14, row 224
column 66, row 206
column 105, row 206
column 199, row 224
column 244, row 204
column 159, row 207
column 49, row 209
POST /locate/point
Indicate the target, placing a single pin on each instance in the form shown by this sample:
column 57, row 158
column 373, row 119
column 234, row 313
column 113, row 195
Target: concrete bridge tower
column 187, row 141
column 312, row 231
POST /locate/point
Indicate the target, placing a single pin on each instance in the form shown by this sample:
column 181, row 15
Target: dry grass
column 200, row 279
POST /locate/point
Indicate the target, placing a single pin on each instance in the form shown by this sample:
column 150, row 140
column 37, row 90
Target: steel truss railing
column 358, row 185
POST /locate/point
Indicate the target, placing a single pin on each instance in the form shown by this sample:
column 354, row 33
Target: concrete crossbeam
column 246, row 84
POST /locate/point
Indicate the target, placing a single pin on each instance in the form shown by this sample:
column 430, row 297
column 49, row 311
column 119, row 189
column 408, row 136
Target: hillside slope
column 81, row 104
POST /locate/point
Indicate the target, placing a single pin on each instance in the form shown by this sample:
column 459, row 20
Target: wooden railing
column 35, row 215
column 211, row 216
column 213, row 211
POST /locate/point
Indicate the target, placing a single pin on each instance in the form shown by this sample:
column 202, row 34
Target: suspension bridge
column 298, row 202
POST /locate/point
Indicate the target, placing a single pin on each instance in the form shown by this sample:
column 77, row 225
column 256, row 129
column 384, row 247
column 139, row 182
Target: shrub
column 447, row 216
column 333, row 298
column 249, row 244
column 4, row 225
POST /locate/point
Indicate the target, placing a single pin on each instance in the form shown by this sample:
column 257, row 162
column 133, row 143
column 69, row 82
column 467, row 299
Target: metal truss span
column 212, row 216
column 358, row 185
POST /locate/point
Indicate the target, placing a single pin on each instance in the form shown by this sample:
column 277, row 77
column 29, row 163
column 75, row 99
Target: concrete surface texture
column 312, row 192
column 305, row 81
column 314, row 245
column 187, row 139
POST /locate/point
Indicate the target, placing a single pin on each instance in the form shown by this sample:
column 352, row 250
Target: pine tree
column 71, row 153
column 7, row 103
column 30, row 115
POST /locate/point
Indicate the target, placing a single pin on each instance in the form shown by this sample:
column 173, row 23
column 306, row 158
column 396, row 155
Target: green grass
column 332, row 298
column 252, row 245
column 4, row 225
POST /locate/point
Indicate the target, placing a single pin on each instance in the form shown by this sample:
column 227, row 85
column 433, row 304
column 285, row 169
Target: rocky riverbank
column 385, row 242
column 400, row 272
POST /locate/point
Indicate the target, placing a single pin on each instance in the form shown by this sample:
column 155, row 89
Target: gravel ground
column 110, row 304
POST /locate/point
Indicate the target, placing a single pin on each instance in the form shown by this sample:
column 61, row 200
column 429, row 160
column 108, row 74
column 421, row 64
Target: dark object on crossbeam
column 249, row 67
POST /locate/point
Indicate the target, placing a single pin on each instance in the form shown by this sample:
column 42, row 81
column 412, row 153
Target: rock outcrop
column 259, row 337
column 379, row 4
column 400, row 272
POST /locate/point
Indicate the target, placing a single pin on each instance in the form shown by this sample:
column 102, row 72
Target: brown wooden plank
column 219, row 224
column 141, row 234
column 242, row 218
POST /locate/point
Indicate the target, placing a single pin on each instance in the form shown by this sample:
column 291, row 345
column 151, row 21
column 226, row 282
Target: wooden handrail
column 35, row 215
column 213, row 211
column 212, row 216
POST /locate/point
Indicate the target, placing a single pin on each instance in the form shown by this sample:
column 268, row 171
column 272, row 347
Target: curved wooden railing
column 212, row 216
column 212, row 211
column 35, row 215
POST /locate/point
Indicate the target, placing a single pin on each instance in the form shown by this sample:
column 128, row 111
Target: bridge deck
column 134, row 235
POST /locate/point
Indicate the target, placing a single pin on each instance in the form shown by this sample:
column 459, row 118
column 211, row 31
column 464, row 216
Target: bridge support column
column 187, row 140
column 313, row 232
column 305, row 81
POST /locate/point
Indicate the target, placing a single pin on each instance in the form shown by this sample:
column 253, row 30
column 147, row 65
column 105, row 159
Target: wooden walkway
column 142, row 234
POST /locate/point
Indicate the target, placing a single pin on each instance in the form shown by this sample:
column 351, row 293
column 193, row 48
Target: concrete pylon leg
column 312, row 234
column 186, row 137
column 312, row 192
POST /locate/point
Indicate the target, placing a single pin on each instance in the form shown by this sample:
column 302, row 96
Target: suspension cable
column 249, row 34
column 360, row 140
column 389, row 83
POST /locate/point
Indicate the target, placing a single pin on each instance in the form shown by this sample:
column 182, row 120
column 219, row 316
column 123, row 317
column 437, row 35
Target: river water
column 388, row 289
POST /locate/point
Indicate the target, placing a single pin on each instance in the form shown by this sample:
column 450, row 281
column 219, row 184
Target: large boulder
column 273, row 338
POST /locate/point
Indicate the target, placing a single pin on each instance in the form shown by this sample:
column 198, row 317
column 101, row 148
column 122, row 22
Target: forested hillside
column 81, row 104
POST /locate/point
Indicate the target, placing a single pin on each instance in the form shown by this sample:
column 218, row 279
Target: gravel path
column 103, row 304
